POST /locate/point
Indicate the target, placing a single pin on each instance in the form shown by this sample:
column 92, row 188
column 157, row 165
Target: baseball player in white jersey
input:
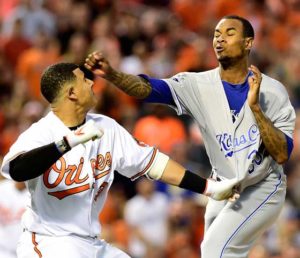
column 68, row 159
column 13, row 201
column 247, row 124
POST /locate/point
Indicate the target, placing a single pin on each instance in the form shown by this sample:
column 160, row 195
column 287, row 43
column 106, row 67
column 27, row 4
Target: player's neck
column 234, row 70
column 71, row 117
column 234, row 74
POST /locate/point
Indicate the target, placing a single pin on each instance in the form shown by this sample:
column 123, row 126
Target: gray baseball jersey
column 235, row 149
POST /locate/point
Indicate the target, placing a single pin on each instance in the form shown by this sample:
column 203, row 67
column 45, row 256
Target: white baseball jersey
column 233, row 148
column 68, row 197
column 12, row 206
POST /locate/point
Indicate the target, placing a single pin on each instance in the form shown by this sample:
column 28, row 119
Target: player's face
column 229, row 42
column 84, row 90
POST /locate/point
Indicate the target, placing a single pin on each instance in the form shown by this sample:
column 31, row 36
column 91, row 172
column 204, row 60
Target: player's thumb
column 92, row 131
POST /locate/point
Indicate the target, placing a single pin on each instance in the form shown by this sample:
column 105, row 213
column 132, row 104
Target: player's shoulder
column 35, row 128
column 102, row 119
column 43, row 128
column 270, row 84
column 209, row 75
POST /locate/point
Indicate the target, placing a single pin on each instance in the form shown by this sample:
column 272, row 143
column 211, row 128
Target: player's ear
column 71, row 93
column 248, row 43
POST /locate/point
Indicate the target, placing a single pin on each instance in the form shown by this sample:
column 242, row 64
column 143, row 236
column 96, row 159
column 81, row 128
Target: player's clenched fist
column 89, row 131
column 98, row 64
column 221, row 190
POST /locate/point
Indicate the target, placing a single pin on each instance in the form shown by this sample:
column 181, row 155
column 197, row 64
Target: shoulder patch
column 179, row 77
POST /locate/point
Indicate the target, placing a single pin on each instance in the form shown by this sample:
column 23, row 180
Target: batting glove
column 86, row 132
column 221, row 190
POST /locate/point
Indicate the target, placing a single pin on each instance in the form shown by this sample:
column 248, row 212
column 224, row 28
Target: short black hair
column 54, row 77
column 247, row 27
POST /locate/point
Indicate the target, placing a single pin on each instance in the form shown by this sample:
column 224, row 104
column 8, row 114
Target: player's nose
column 220, row 39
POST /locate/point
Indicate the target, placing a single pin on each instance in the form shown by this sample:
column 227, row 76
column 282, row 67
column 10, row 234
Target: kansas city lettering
column 71, row 175
column 230, row 145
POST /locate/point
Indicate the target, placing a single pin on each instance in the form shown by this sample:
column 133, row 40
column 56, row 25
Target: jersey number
column 258, row 158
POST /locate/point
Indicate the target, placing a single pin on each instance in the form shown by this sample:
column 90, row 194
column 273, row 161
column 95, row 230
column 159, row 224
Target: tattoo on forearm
column 133, row 85
column 273, row 139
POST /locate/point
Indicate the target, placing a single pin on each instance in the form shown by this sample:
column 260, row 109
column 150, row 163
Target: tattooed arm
column 273, row 139
column 134, row 86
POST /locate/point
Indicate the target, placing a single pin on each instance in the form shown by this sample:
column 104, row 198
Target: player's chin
column 219, row 54
column 222, row 58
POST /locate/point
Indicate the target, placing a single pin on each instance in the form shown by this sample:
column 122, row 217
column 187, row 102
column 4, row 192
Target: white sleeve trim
column 158, row 166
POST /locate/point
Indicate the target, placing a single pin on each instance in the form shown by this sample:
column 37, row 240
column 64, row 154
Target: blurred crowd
column 159, row 38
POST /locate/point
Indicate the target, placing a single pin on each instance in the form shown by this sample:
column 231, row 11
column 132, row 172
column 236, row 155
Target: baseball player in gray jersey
column 247, row 123
column 68, row 159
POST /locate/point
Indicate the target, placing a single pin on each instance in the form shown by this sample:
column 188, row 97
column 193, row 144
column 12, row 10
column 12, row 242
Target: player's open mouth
column 219, row 49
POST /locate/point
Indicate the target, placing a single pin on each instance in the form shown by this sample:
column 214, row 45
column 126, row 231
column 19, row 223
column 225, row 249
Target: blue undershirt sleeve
column 290, row 145
column 160, row 93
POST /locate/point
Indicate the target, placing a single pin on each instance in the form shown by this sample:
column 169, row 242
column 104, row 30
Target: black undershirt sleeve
column 193, row 182
column 34, row 163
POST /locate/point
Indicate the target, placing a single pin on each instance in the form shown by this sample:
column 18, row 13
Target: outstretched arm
column 171, row 172
column 273, row 139
column 133, row 85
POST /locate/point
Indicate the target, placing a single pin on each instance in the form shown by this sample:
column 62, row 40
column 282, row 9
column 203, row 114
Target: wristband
column 63, row 145
column 193, row 182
